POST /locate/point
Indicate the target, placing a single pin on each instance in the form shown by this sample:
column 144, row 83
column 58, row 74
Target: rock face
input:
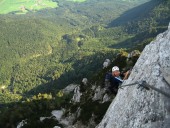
column 84, row 81
column 57, row 114
column 135, row 108
column 22, row 123
column 77, row 94
column 98, row 94
column 106, row 63
column 70, row 88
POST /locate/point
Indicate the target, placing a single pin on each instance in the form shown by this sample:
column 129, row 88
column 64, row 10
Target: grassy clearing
column 77, row 0
column 23, row 6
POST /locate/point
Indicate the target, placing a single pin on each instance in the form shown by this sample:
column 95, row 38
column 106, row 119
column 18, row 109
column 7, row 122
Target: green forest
column 44, row 51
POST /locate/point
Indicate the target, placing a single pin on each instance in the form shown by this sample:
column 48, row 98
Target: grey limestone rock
column 99, row 92
column 70, row 88
column 135, row 108
column 77, row 95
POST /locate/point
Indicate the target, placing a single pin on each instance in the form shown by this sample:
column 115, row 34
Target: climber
column 113, row 80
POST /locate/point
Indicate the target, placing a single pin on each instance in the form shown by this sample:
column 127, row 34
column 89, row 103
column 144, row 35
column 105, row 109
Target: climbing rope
column 145, row 85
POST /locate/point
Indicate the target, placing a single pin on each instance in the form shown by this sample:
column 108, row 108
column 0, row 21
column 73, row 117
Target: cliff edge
column 136, row 108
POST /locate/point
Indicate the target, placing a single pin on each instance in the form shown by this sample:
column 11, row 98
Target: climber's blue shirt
column 114, row 81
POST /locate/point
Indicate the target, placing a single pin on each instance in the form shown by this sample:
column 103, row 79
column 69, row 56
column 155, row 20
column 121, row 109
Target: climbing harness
column 144, row 85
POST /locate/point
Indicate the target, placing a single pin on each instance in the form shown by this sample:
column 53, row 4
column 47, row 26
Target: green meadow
column 23, row 6
column 77, row 0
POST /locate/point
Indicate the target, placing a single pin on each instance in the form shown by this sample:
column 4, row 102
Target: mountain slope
column 35, row 82
column 133, row 107
column 45, row 51
column 47, row 40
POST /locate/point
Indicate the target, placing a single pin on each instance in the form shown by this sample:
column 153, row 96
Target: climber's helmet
column 115, row 71
column 115, row 68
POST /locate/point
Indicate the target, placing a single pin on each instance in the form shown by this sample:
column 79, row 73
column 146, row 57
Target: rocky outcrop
column 106, row 63
column 135, row 108
column 65, row 120
column 77, row 95
column 98, row 93
column 57, row 127
column 69, row 88
column 84, row 81
column 22, row 123
column 68, row 121
column 58, row 114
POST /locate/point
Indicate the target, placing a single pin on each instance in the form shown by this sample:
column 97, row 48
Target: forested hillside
column 38, row 50
column 46, row 50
